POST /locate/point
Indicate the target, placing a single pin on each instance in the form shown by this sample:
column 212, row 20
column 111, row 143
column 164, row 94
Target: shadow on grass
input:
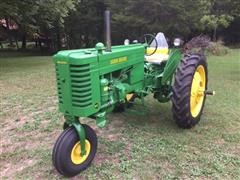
column 151, row 116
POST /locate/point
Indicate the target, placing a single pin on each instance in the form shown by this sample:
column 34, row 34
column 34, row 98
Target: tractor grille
column 81, row 85
column 60, row 97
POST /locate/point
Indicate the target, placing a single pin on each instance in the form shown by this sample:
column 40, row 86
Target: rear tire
column 63, row 149
column 187, row 105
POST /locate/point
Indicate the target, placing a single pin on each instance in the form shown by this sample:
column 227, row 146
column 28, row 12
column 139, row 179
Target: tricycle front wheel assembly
column 66, row 155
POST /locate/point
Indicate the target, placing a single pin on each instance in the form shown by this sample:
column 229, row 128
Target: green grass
column 134, row 145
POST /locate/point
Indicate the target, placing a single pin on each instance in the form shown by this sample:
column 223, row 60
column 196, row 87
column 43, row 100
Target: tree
column 31, row 16
column 134, row 18
column 80, row 22
column 213, row 22
column 221, row 14
column 84, row 26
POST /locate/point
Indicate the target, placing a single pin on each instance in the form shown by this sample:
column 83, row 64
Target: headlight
column 126, row 42
column 177, row 42
column 135, row 41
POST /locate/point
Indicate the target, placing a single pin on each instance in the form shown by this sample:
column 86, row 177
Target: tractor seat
column 158, row 57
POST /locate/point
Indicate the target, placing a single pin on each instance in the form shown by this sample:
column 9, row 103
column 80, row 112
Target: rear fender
column 171, row 66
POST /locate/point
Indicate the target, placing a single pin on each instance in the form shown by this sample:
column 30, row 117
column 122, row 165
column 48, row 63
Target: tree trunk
column 68, row 41
column 59, row 46
column 24, row 41
column 40, row 44
column 16, row 41
column 8, row 31
column 215, row 34
column 87, row 41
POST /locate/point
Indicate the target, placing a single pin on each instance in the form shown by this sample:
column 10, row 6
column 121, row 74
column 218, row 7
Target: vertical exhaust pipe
column 107, row 31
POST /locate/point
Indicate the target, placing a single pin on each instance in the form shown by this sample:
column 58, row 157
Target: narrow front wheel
column 67, row 149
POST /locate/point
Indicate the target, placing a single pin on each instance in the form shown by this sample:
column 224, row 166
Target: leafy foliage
column 217, row 48
column 30, row 16
column 221, row 14
column 85, row 25
column 170, row 16
column 213, row 21
column 80, row 22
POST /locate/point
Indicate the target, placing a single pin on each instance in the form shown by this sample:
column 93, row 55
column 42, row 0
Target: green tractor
column 93, row 82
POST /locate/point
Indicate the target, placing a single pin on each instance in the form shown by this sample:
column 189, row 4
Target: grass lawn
column 146, row 145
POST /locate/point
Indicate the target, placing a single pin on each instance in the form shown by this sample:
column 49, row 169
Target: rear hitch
column 208, row 92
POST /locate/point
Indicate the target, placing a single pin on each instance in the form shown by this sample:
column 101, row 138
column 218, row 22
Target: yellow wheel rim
column 76, row 152
column 129, row 96
column 197, row 91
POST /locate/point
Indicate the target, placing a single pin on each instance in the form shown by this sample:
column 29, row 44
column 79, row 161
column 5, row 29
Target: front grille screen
column 81, row 85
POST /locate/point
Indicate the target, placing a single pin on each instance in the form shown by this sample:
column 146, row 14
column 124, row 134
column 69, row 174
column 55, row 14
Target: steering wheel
column 148, row 39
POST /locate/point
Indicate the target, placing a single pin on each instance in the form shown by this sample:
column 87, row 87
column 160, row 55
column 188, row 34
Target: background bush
column 217, row 48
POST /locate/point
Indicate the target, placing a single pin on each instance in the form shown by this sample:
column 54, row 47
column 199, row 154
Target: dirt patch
column 103, row 158
column 234, row 150
column 220, row 141
column 9, row 170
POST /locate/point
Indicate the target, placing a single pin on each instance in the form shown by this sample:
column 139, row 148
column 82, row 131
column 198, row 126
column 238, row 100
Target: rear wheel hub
column 197, row 91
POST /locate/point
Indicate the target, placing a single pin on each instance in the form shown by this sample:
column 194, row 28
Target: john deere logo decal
column 119, row 60
column 61, row 62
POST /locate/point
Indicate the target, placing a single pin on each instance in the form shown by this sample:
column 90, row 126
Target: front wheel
column 189, row 90
column 66, row 152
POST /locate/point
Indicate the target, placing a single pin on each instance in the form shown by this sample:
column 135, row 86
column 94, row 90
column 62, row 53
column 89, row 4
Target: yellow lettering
column 119, row 60
column 61, row 62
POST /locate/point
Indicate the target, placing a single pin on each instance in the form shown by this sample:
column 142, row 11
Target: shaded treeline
column 64, row 24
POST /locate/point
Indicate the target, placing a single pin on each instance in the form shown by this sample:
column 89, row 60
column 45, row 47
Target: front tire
column 189, row 90
column 66, row 152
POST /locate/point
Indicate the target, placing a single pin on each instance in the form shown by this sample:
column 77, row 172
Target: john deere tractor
column 93, row 82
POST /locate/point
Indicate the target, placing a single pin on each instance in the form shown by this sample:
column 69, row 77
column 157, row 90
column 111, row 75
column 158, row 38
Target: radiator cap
column 100, row 47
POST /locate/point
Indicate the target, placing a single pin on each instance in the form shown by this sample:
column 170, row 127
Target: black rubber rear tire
column 61, row 155
column 182, row 90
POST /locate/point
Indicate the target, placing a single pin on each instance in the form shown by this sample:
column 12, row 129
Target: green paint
column 74, row 121
column 92, row 81
column 171, row 66
column 81, row 133
column 101, row 119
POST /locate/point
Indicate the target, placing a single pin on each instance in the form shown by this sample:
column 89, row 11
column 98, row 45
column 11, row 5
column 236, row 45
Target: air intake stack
column 107, row 31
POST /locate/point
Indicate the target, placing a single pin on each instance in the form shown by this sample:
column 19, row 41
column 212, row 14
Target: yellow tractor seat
column 159, row 56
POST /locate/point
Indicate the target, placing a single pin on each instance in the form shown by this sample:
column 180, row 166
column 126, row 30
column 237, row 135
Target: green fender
column 174, row 59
